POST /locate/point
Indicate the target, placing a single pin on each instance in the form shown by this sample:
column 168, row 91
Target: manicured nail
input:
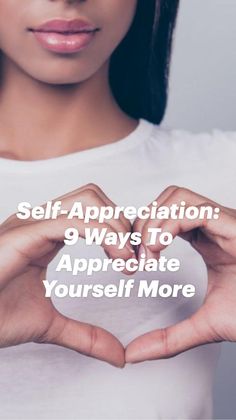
column 141, row 252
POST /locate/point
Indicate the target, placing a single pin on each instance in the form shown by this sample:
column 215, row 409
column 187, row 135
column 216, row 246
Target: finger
column 176, row 196
column 110, row 203
column 171, row 195
column 96, row 191
column 57, row 232
column 86, row 339
column 221, row 231
column 87, row 192
column 24, row 244
column 92, row 195
column 139, row 223
column 121, row 224
column 168, row 342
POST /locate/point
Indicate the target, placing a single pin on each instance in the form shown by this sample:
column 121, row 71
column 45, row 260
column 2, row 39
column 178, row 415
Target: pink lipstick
column 65, row 36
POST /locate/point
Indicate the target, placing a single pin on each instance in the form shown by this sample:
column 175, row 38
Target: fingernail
column 116, row 365
column 141, row 252
column 130, row 248
column 150, row 254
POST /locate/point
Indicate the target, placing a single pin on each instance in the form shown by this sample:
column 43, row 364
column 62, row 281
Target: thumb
column 86, row 339
column 168, row 342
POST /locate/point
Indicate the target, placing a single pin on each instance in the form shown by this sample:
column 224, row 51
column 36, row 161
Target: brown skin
column 215, row 241
column 53, row 99
column 53, row 96
column 26, row 315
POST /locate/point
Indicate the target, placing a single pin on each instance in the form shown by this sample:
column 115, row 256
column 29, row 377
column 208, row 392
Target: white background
column 203, row 97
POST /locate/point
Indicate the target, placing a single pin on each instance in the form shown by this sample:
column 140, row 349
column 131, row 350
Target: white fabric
column 48, row 382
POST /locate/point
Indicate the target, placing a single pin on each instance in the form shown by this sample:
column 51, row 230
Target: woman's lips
column 65, row 36
column 62, row 42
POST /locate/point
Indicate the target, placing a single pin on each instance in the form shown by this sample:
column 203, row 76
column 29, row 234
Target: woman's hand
column 26, row 315
column 215, row 241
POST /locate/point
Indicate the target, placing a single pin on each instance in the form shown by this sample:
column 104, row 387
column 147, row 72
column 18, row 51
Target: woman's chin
column 58, row 79
column 59, row 74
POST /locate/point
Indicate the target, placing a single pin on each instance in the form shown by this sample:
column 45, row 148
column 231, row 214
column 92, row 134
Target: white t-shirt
column 49, row 382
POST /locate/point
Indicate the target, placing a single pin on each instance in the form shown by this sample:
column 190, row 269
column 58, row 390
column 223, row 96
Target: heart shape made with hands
column 26, row 248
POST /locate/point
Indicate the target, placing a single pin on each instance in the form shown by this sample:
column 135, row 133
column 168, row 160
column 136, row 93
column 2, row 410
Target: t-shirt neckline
column 141, row 132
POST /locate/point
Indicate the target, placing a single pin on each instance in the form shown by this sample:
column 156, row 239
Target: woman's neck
column 40, row 121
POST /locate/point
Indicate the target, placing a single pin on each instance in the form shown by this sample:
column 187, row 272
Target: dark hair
column 139, row 67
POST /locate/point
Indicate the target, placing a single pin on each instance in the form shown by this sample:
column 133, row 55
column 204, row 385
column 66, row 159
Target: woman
column 83, row 90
